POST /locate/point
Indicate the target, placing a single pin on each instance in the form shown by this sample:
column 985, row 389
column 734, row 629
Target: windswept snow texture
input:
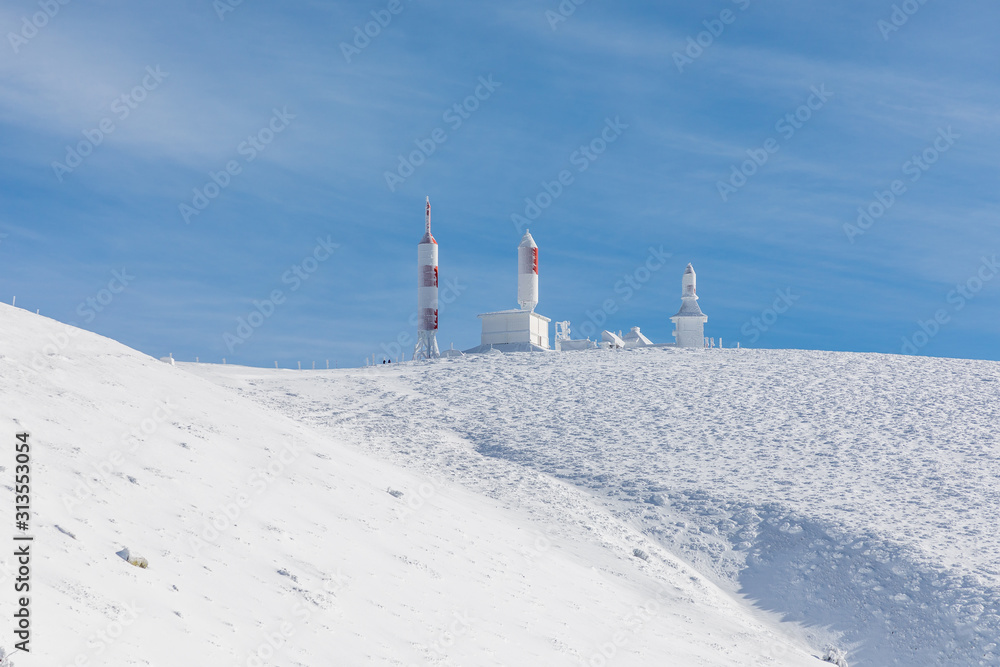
column 853, row 492
column 270, row 541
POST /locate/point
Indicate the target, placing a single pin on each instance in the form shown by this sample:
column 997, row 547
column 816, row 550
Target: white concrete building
column 689, row 322
column 518, row 330
column 512, row 327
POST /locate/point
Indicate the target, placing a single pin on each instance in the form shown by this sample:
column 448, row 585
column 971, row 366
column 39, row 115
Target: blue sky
column 336, row 124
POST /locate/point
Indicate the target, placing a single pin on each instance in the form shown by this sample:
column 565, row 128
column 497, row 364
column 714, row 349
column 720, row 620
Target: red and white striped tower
column 427, row 294
column 527, row 273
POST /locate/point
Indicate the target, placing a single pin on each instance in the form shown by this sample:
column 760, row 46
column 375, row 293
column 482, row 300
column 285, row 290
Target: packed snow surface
column 266, row 538
column 851, row 492
column 640, row 507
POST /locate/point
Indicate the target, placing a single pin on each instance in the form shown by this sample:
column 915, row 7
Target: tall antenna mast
column 427, row 294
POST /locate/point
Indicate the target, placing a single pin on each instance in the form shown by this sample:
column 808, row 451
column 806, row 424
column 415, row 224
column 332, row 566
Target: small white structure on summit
column 451, row 352
column 427, row 294
column 636, row 338
column 518, row 330
column 564, row 341
column 689, row 322
column 612, row 341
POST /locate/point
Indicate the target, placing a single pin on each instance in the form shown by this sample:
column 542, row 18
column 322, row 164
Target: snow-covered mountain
column 654, row 507
column 855, row 493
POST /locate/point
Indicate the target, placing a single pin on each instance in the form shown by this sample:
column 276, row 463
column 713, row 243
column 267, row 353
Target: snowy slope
column 272, row 539
column 849, row 492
